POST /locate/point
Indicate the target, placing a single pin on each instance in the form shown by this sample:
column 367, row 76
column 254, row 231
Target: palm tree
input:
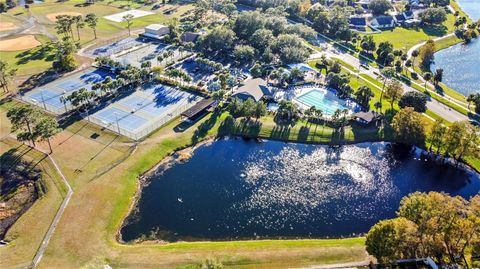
column 415, row 54
column 427, row 76
column 128, row 18
column 386, row 73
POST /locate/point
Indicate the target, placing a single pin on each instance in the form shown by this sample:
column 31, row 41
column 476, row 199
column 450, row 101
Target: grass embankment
column 27, row 233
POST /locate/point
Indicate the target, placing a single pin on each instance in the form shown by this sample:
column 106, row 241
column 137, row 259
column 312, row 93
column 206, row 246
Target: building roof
column 399, row 17
column 198, row 107
column 358, row 21
column 254, row 88
column 408, row 14
column 367, row 117
column 155, row 26
column 384, row 20
column 302, row 66
column 190, row 36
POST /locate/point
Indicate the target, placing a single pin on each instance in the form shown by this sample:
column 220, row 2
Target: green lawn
column 31, row 61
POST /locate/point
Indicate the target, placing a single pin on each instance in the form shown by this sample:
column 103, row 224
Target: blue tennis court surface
column 125, row 119
column 144, row 110
column 48, row 96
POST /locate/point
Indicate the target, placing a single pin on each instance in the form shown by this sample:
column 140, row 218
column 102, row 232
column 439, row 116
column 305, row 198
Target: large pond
column 461, row 62
column 236, row 189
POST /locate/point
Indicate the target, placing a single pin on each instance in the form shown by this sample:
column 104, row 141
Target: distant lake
column 461, row 62
column 237, row 189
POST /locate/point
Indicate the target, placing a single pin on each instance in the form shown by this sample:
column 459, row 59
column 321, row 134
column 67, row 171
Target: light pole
column 116, row 118
column 43, row 100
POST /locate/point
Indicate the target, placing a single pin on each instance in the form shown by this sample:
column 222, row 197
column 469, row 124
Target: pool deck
column 292, row 94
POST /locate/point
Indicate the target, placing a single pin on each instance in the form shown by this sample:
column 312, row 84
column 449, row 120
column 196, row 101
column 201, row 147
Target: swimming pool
column 323, row 100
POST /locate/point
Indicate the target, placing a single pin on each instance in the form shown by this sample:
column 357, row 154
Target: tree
column 472, row 98
column 408, row 126
column 335, row 67
column 261, row 39
column 436, row 136
column 393, row 91
column 23, row 120
column 386, row 74
column 438, row 77
column 462, row 140
column 379, row 7
column 79, row 23
column 218, row 41
column 296, row 74
column 337, row 81
column 91, row 20
column 244, row 54
column 63, row 25
column 256, row 70
column 427, row 76
column 47, row 128
column 246, row 23
column 415, row 54
column 64, row 60
column 427, row 52
column 390, row 240
column 290, row 49
column 368, row 43
column 413, row 99
column 385, row 53
column 6, row 74
column 286, row 111
column 129, row 20
column 433, row 15
column 260, row 110
column 363, row 95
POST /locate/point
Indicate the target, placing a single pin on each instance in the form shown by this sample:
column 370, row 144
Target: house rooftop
column 358, row 21
column 384, row 20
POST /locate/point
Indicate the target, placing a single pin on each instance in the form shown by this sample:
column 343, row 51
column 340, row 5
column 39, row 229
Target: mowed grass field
column 405, row 38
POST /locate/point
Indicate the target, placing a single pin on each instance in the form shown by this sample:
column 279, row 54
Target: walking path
column 56, row 219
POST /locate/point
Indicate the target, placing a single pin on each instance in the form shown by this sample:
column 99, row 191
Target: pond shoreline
column 185, row 153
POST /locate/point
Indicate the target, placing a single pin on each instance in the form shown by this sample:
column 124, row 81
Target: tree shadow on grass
column 204, row 127
column 248, row 127
column 435, row 30
column 45, row 52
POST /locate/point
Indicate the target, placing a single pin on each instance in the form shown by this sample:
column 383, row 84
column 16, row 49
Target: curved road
column 435, row 106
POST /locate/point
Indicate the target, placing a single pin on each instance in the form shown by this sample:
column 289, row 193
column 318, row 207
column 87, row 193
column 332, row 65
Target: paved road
column 435, row 106
column 338, row 265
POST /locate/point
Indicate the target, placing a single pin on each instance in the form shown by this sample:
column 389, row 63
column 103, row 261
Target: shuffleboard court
column 115, row 47
column 136, row 13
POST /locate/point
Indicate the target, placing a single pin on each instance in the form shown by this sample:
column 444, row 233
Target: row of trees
column 429, row 225
column 459, row 141
column 31, row 125
column 7, row 73
column 247, row 109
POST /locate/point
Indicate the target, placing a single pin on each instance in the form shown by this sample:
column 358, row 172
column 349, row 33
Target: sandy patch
column 53, row 16
column 19, row 43
column 7, row 26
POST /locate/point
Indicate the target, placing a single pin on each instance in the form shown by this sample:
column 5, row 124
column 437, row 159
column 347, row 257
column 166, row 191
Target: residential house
column 358, row 23
column 382, row 22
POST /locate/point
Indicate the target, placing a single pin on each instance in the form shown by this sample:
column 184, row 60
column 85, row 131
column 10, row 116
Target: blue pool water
column 235, row 189
column 325, row 101
column 460, row 62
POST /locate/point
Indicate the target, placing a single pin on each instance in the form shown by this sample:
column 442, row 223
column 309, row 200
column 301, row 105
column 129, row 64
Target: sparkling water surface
column 236, row 189
column 461, row 63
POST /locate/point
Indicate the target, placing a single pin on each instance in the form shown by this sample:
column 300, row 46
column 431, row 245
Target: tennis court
column 148, row 52
column 145, row 110
column 115, row 47
column 48, row 96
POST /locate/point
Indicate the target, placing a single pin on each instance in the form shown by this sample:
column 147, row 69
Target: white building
column 156, row 30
